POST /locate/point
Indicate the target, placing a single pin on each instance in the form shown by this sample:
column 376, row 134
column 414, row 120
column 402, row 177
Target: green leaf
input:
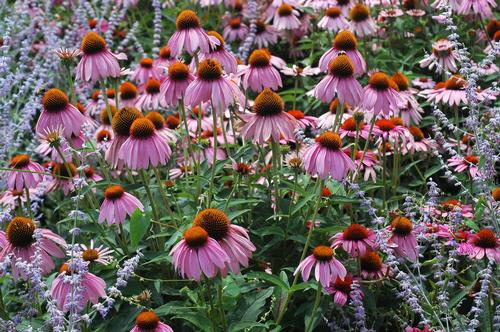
column 202, row 323
column 257, row 301
column 270, row 278
column 433, row 170
column 139, row 225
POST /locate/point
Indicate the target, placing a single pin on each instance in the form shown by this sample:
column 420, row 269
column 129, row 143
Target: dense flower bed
column 318, row 165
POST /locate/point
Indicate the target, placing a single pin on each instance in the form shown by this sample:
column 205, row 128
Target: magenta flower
column 117, row 205
column 340, row 289
column 144, row 147
column 355, row 239
column 339, row 82
column 93, row 288
column 286, row 18
column 144, row 71
column 461, row 164
column 18, row 179
column 19, row 241
column 149, row 100
column 372, row 266
column 304, row 120
column 189, row 35
column 392, row 130
column 362, row 23
column 174, row 86
column 211, row 85
column 268, row 119
column 404, row 238
column 348, row 129
column 346, row 42
column 326, row 158
column 233, row 239
column 443, row 57
column 97, row 62
column 327, row 267
column 481, row 8
column 219, row 52
column 58, row 113
column 485, row 244
column 235, row 30
column 333, row 20
column 381, row 95
column 260, row 73
column 148, row 321
column 198, row 254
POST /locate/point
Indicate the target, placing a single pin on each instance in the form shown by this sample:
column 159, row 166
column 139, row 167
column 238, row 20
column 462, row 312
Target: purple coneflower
column 461, row 164
column 340, row 290
column 260, row 73
column 372, row 266
column 117, row 205
column 286, row 18
column 161, row 126
column 344, row 41
column 128, row 95
column 148, row 321
column 443, row 57
column 482, row 8
column 355, row 240
column 24, row 174
column 219, row 52
column 381, row 95
column 327, row 119
column 149, row 100
column 144, row 71
column 235, row 30
column 333, row 20
column 404, row 238
column 304, row 120
column 265, row 35
column 163, row 60
column 175, row 84
column 485, row 244
column 327, row 267
column 362, row 23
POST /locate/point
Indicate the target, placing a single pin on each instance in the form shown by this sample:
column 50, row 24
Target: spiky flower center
column 157, row 119
column 20, row 231
column 379, row 81
column 355, row 232
column 165, row 52
column 343, row 286
column 153, row 86
column 103, row 135
column 285, row 10
column 259, row 59
column 147, row 321
column 485, row 238
column 341, row 66
column 417, row 133
column 401, row 81
column 173, row 122
column 330, row 140
column 268, row 103
column 235, row 23
column 114, row 192
column 345, row 41
column 219, row 38
column 92, row 43
column 90, row 255
column 472, row 159
column 323, row 253
column 401, row 226
column 195, row 236
column 104, row 117
column 214, row 221
column 209, row 70
column 297, row 114
column 142, row 128
column 455, row 83
column 64, row 172
column 123, row 119
column 371, row 262
column 146, row 63
column 178, row 71
column 20, row 161
column 360, row 13
column 187, row 19
column 261, row 27
column 128, row 91
column 54, row 100
column 333, row 12
column 350, row 125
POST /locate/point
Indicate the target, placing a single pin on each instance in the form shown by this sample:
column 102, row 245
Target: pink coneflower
column 415, row 12
column 485, row 244
column 265, row 35
column 219, row 52
column 148, row 321
column 447, row 208
column 409, row 109
column 327, row 119
column 163, row 60
column 453, row 93
column 381, row 95
column 174, row 86
column 392, row 130
column 63, row 175
column 235, row 30
column 346, row 42
column 443, row 57
column 144, row 147
column 219, row 135
column 91, row 175
column 333, row 20
column 192, row 120
column 268, row 119
column 21, row 176
column 303, row 120
column 58, row 112
column 91, row 253
column 243, row 168
column 144, row 71
column 122, row 121
column 339, row 82
column 93, row 288
column 198, row 254
column 97, row 62
column 326, row 158
column 327, row 267
column 362, row 23
column 19, row 241
column 368, row 165
column 117, row 205
column 94, row 105
column 345, row 6
column 419, row 142
column 233, row 239
column 348, row 129
column 149, row 100
column 340, row 289
column 14, row 198
column 211, row 86
column 161, row 126
column 391, row 13
column 355, row 240
column 189, row 35
column 372, row 266
column 423, row 82
column 404, row 238
column 461, row 164
column 259, row 73
column 298, row 71
column 128, row 94
column 286, row 18
column 480, row 7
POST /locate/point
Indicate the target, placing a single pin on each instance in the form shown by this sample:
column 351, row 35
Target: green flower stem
column 338, row 116
column 164, row 196
column 317, row 300
column 145, row 182
column 275, row 170
column 214, row 161
column 367, row 142
column 106, row 101
column 28, row 202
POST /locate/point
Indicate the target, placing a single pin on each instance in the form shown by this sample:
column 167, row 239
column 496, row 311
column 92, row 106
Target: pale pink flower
column 174, row 85
column 442, row 58
column 362, row 23
column 333, row 20
column 346, row 42
column 485, row 243
column 235, row 30
column 286, row 18
column 404, row 237
column 25, row 173
column 355, row 240
column 326, row 266
column 117, row 205
column 144, row 71
column 260, row 73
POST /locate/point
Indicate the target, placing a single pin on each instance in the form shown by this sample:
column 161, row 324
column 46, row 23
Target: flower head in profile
column 326, row 266
column 20, row 241
column 97, row 62
column 465, row 163
column 128, row 95
column 265, row 35
column 144, row 71
column 260, row 73
column 485, row 243
column 286, row 18
column 174, row 85
column 372, row 266
column 355, row 239
column 362, row 23
column 333, row 20
column 150, row 99
column 381, row 95
column 344, row 41
column 235, row 30
column 148, row 321
column 25, row 173
column 340, row 289
column 117, row 205
column 326, row 157
column 404, row 237
column 219, row 52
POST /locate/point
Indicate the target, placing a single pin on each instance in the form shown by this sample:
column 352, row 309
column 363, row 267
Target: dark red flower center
column 323, row 253
column 330, row 140
column 485, row 238
column 355, row 232
column 371, row 262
